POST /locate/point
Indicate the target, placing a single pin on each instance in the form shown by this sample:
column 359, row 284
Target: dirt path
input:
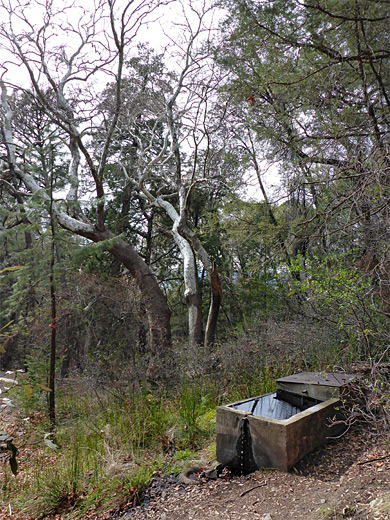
column 335, row 483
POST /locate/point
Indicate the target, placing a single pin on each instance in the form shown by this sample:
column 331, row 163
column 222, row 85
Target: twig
column 373, row 460
column 252, row 488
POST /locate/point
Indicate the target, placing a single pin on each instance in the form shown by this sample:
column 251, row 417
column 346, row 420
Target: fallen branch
column 252, row 488
column 373, row 460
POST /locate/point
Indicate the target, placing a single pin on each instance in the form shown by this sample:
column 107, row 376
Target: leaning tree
column 68, row 51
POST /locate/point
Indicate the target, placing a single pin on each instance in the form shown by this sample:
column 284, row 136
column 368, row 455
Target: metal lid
column 336, row 379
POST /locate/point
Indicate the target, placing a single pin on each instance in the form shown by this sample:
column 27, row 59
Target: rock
column 211, row 474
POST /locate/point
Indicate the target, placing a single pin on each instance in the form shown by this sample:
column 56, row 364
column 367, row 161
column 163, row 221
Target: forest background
column 132, row 254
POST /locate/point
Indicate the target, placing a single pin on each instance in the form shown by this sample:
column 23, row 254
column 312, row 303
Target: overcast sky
column 164, row 28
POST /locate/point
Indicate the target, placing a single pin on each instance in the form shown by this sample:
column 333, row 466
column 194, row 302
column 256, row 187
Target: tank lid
column 335, row 379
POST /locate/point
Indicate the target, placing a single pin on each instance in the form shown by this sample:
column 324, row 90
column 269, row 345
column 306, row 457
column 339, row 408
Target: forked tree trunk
column 212, row 275
column 192, row 292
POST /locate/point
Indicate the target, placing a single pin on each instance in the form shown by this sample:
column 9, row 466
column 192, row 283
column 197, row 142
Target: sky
column 163, row 29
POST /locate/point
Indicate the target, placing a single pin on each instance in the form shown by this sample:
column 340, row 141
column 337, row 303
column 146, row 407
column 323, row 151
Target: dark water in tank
column 268, row 406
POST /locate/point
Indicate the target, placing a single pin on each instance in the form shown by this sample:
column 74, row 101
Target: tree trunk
column 159, row 313
column 156, row 305
column 212, row 274
column 155, row 302
column 157, row 308
column 215, row 303
column 193, row 300
column 53, row 326
column 53, row 346
column 192, row 292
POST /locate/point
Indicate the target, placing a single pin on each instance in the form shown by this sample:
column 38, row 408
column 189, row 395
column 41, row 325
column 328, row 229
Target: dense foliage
column 301, row 88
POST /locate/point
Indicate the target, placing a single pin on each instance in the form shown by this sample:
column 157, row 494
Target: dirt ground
column 347, row 479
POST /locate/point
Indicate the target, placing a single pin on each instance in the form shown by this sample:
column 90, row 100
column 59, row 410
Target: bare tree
column 66, row 56
column 170, row 169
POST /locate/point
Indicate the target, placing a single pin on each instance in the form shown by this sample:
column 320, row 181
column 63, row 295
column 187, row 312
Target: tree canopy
column 146, row 153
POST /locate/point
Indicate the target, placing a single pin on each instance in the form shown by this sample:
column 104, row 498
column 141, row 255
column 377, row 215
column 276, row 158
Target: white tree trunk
column 191, row 286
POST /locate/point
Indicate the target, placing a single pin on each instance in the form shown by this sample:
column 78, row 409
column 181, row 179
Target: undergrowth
column 113, row 438
column 108, row 445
